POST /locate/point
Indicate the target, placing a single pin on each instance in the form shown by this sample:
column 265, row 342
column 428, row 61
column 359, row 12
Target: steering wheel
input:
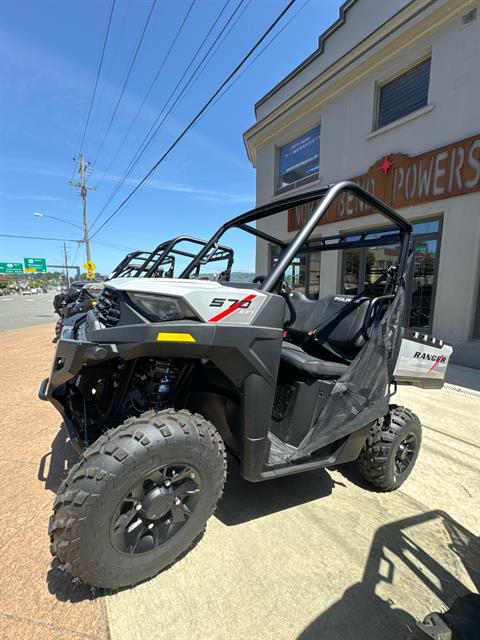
column 285, row 291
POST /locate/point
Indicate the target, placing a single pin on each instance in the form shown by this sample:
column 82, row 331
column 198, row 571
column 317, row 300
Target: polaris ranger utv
column 173, row 372
column 159, row 263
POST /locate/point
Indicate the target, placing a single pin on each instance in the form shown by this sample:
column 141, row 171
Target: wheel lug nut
column 138, row 506
column 192, row 476
column 167, row 483
column 151, row 525
column 177, row 501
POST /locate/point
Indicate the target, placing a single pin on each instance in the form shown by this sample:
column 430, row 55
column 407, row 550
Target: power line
column 152, row 84
column 9, row 235
column 126, row 81
column 227, row 89
column 89, row 113
column 79, row 242
column 146, row 140
column 199, row 114
column 152, row 132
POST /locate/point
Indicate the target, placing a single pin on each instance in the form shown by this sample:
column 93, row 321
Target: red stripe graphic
column 234, row 307
column 433, row 366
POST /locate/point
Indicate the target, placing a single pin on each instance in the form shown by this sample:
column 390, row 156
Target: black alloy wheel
column 155, row 509
column 405, row 453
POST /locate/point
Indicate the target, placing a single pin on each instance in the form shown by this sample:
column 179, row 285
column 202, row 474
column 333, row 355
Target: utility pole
column 66, row 264
column 83, row 192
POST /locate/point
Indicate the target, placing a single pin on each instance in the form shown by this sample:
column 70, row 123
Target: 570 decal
column 244, row 303
column 236, row 302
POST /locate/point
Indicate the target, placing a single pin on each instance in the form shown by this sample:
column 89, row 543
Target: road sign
column 38, row 264
column 89, row 266
column 90, row 274
column 11, row 267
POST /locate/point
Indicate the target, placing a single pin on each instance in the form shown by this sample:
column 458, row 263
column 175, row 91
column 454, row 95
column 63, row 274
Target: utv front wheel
column 391, row 449
column 138, row 499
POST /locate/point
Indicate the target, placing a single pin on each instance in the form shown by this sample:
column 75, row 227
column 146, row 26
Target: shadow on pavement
column 243, row 501
column 55, row 464
column 61, row 585
column 52, row 470
column 362, row 613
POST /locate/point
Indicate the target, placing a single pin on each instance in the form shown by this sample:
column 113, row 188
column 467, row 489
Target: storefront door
column 363, row 266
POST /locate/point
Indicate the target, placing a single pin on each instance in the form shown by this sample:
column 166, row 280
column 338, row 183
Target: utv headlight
column 161, row 308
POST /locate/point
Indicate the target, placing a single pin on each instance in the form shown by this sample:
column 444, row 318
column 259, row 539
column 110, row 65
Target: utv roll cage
column 146, row 264
column 300, row 242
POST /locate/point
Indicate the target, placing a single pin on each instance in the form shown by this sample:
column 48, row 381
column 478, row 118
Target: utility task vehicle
column 173, row 372
column 80, row 297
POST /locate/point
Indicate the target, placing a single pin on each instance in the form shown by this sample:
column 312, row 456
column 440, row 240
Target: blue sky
column 49, row 53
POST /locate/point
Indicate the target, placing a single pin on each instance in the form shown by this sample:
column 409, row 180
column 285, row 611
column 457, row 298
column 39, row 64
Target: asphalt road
column 19, row 311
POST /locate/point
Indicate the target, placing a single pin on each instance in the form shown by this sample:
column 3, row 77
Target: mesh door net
column 362, row 394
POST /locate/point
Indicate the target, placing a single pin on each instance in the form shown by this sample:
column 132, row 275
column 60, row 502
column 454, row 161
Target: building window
column 362, row 267
column 404, row 94
column 303, row 273
column 298, row 161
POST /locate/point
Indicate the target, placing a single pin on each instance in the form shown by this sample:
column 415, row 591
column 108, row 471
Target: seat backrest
column 334, row 323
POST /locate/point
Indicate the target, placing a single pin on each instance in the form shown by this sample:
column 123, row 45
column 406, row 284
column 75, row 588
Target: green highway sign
column 35, row 265
column 11, row 267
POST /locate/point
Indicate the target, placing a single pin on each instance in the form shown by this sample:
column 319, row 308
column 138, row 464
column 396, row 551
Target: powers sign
column 403, row 181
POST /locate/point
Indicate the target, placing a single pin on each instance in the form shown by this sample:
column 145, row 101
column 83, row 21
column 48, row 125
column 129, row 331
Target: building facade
column 390, row 99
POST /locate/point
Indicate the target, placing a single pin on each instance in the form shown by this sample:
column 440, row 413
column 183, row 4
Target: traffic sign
column 39, row 265
column 90, row 274
column 89, row 266
column 11, row 267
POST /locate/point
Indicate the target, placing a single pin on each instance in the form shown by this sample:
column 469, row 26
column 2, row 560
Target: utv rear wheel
column 138, row 499
column 391, row 449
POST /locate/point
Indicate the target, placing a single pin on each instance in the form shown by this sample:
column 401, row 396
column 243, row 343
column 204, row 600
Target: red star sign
column 385, row 165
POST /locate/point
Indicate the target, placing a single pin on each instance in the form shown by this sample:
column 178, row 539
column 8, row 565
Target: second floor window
column 403, row 95
column 298, row 161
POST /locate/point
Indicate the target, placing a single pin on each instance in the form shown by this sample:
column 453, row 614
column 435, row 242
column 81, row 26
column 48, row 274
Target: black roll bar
column 168, row 248
column 306, row 231
column 326, row 195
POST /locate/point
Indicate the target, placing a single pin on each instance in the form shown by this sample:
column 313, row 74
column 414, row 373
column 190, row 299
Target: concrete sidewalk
column 314, row 556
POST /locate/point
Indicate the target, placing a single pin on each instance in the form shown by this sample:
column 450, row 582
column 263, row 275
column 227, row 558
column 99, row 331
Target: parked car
column 26, row 292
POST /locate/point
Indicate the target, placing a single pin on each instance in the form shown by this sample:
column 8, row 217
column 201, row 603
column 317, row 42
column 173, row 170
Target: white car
column 26, row 292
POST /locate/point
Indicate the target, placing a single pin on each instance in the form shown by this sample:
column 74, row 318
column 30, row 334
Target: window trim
column 379, row 85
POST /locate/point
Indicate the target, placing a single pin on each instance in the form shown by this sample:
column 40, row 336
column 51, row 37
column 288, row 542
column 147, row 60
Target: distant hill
column 242, row 276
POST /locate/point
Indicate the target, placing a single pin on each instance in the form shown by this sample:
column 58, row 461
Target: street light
column 44, row 215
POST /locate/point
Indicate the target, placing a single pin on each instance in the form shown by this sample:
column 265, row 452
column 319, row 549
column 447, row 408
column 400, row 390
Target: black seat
column 334, row 326
column 296, row 357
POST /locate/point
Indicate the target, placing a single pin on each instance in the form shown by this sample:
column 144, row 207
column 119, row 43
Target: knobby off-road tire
column 391, row 449
column 82, row 528
column 58, row 329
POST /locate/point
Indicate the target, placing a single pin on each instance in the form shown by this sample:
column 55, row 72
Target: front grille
column 107, row 308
